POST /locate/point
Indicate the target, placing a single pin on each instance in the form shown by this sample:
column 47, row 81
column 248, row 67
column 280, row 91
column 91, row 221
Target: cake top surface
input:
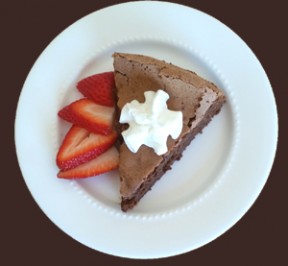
column 189, row 93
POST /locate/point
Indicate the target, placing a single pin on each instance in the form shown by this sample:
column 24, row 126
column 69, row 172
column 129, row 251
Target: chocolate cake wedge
column 198, row 100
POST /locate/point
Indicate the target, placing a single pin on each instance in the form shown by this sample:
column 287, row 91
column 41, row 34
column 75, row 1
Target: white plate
column 220, row 174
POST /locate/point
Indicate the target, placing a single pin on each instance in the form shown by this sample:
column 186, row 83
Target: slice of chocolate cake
column 198, row 100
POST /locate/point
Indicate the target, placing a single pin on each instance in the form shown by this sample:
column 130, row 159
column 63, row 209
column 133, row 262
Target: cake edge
column 165, row 165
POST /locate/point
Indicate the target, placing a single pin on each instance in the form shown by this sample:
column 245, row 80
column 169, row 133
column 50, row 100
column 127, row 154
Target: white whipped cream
column 150, row 123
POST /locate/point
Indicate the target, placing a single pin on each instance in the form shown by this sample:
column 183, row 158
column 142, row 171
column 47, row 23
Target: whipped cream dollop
column 150, row 123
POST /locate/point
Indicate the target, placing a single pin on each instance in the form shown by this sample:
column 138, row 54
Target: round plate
column 220, row 174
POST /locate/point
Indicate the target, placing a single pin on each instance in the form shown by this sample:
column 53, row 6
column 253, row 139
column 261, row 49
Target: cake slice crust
column 198, row 99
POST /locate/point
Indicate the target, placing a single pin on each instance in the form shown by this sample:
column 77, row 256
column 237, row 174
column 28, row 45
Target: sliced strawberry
column 100, row 88
column 107, row 161
column 80, row 146
column 89, row 115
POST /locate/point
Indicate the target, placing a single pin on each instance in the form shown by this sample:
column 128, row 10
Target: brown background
column 30, row 238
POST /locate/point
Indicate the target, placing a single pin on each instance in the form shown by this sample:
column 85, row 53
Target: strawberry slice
column 100, row 88
column 107, row 161
column 80, row 146
column 89, row 115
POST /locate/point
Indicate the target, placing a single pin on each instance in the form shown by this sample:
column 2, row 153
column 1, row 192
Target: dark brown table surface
column 29, row 238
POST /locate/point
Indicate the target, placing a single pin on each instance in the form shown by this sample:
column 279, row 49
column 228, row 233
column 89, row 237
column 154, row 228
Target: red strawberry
column 89, row 115
column 100, row 88
column 107, row 161
column 80, row 146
